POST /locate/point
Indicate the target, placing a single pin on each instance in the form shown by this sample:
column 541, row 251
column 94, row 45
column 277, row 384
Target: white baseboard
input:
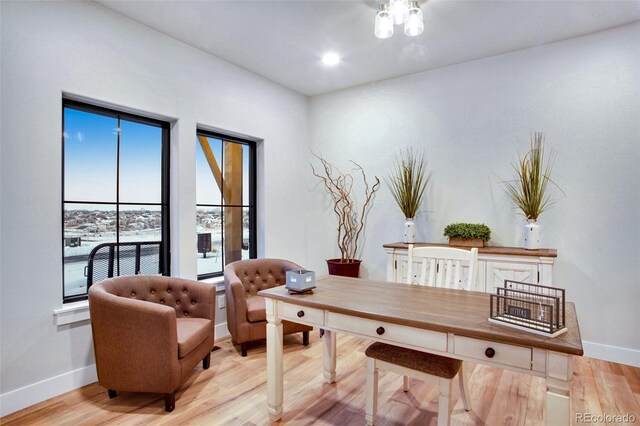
column 221, row 331
column 37, row 392
column 612, row 353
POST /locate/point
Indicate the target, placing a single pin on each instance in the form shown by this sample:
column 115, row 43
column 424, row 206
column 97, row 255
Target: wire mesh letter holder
column 529, row 307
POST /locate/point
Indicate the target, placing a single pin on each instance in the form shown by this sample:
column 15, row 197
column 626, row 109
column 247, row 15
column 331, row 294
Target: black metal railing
column 115, row 259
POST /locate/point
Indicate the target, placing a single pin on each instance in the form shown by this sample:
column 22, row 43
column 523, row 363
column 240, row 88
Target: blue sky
column 90, row 159
column 90, row 156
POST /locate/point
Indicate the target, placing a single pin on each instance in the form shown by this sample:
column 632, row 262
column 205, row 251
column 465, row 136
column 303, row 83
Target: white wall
column 81, row 48
column 472, row 119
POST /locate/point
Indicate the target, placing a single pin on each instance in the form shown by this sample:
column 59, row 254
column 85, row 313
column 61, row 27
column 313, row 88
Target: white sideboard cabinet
column 495, row 264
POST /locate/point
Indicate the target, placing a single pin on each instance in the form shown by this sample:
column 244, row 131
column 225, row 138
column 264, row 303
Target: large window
column 115, row 196
column 225, row 202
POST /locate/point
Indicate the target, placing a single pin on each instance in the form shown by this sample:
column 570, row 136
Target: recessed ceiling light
column 330, row 59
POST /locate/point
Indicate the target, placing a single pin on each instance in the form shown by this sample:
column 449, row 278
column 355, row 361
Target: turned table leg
column 274, row 361
column 557, row 407
column 329, row 356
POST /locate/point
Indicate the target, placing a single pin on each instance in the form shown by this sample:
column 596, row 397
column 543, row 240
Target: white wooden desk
column 441, row 321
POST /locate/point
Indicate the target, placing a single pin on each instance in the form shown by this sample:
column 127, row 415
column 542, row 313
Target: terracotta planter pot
column 345, row 269
column 466, row 242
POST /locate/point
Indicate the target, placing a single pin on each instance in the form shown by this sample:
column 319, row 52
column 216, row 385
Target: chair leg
column 169, row 401
column 206, row 361
column 305, row 338
column 405, row 383
column 464, row 389
column 243, row 348
column 445, row 403
column 112, row 393
column 372, row 392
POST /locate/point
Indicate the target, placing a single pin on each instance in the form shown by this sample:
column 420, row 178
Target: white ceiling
column 284, row 40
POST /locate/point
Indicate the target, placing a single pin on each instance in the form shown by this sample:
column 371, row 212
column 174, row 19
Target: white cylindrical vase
column 531, row 235
column 409, row 231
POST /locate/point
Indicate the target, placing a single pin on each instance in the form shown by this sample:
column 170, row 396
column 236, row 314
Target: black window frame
column 165, row 182
column 253, row 205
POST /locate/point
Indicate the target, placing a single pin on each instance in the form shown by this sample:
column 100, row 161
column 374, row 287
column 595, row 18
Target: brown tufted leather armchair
column 246, row 312
column 149, row 332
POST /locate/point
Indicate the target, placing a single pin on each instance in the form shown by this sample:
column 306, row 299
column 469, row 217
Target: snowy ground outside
column 76, row 258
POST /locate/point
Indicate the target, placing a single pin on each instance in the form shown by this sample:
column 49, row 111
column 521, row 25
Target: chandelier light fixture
column 398, row 12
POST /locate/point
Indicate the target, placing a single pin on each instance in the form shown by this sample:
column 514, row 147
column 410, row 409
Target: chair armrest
column 236, row 302
column 133, row 340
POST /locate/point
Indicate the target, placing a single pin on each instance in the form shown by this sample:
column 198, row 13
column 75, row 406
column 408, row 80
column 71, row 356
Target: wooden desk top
column 517, row 251
column 461, row 312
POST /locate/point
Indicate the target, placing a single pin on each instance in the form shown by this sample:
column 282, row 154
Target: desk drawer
column 301, row 314
column 389, row 332
column 500, row 353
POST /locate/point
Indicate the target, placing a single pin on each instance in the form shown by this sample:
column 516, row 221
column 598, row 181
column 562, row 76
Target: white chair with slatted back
column 439, row 267
column 442, row 266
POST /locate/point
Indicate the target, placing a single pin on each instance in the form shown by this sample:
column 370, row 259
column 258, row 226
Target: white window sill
column 217, row 281
column 71, row 313
column 79, row 311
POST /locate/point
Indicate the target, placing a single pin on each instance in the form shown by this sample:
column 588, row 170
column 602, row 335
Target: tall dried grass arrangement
column 533, row 175
column 408, row 181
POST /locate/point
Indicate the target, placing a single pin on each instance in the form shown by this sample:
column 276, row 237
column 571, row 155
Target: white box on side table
column 300, row 280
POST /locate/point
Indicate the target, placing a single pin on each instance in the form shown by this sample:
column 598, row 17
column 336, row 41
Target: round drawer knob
column 380, row 331
column 300, row 314
column 490, row 352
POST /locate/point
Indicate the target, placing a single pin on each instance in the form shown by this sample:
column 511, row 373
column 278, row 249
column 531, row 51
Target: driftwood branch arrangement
column 351, row 222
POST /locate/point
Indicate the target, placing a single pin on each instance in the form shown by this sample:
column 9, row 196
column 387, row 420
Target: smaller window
column 225, row 202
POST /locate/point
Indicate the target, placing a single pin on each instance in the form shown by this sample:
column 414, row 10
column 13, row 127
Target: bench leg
column 372, row 392
column 243, row 348
column 464, row 388
column 112, row 393
column 305, row 338
column 206, row 361
column 445, row 403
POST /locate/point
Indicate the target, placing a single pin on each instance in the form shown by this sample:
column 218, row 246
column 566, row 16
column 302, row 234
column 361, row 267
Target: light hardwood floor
column 233, row 392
